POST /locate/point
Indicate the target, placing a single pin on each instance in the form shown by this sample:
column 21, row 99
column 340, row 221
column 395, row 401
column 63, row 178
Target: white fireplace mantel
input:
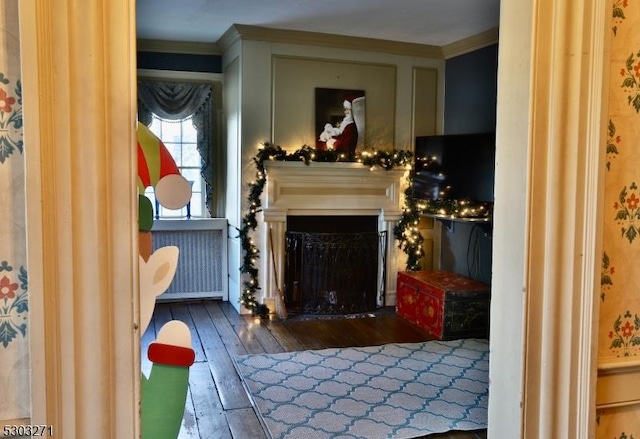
column 330, row 189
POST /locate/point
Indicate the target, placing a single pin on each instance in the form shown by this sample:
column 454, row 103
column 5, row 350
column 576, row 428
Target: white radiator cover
column 202, row 263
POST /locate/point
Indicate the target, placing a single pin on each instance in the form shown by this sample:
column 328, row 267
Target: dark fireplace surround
column 331, row 199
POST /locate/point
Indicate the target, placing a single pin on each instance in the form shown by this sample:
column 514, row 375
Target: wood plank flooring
column 217, row 404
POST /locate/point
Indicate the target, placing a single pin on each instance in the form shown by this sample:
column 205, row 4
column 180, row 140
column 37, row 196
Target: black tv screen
column 464, row 167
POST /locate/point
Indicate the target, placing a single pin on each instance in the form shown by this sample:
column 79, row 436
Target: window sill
column 163, row 225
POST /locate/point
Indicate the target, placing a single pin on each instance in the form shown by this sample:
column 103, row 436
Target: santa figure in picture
column 344, row 137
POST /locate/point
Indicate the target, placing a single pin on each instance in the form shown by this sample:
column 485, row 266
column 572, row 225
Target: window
column 180, row 138
column 184, row 111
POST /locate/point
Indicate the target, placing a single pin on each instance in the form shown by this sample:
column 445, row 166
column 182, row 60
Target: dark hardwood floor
column 217, row 404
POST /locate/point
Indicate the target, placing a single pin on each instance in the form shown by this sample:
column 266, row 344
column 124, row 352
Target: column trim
column 78, row 71
column 565, row 192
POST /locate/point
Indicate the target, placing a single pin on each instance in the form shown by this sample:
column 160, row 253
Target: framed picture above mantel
column 340, row 119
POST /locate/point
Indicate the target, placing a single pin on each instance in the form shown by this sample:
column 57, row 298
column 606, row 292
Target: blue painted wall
column 470, row 107
column 470, row 92
column 180, row 62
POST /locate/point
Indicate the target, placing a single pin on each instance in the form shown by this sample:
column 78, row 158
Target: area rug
column 391, row 391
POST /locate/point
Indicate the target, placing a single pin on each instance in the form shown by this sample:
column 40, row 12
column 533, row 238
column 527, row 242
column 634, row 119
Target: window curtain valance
column 178, row 100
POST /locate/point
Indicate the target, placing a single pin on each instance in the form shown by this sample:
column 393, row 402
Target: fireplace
column 328, row 192
column 332, row 264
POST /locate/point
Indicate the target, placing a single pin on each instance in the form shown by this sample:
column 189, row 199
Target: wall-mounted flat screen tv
column 464, row 167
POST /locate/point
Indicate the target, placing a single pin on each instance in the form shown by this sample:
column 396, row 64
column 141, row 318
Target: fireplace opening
column 334, row 264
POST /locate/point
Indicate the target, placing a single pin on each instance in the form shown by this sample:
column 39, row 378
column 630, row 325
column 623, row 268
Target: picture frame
column 340, row 120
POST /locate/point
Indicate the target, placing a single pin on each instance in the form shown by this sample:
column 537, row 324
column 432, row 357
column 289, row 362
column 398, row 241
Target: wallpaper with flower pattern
column 14, row 305
column 619, row 328
column 619, row 335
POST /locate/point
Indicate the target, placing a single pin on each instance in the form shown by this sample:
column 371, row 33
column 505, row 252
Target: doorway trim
column 78, row 71
column 78, row 59
column 549, row 191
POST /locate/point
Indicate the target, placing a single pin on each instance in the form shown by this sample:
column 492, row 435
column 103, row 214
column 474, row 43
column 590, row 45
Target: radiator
column 201, row 270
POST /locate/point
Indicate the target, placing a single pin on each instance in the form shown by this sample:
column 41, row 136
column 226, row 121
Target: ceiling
column 430, row 22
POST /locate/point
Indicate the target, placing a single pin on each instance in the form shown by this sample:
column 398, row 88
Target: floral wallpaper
column 619, row 335
column 14, row 304
column 619, row 329
column 618, row 423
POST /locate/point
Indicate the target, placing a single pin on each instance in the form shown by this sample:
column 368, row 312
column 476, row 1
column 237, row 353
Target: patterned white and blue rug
column 391, row 391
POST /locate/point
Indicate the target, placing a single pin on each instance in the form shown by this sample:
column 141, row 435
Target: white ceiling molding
column 471, row 43
column 258, row 33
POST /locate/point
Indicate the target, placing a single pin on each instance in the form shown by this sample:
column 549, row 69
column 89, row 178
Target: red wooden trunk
column 445, row 304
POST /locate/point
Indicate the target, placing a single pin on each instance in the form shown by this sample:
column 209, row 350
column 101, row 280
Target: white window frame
column 159, row 209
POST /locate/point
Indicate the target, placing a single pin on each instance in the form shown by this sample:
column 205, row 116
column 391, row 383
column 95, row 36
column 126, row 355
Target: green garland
column 406, row 231
column 448, row 209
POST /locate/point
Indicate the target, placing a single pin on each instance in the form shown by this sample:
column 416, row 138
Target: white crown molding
column 471, row 43
column 181, row 47
column 257, row 33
